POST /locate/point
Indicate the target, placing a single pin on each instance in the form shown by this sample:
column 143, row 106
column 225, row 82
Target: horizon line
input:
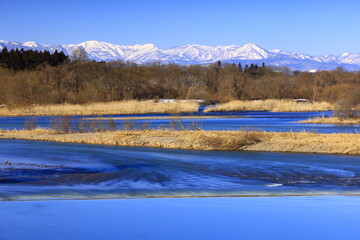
column 250, row 43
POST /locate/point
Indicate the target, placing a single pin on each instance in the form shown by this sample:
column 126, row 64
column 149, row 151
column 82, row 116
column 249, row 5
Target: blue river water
column 78, row 191
column 46, row 170
column 247, row 120
column 249, row 218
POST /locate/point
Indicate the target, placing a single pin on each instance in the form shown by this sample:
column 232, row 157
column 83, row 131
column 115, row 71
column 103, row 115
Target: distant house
column 180, row 100
column 302, row 100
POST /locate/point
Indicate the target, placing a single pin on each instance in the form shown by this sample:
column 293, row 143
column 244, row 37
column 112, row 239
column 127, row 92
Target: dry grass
column 273, row 105
column 304, row 142
column 161, row 117
column 332, row 120
column 121, row 107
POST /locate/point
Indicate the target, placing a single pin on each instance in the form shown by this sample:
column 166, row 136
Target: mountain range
column 199, row 54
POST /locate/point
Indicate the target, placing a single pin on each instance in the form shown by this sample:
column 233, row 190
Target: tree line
column 83, row 81
column 30, row 59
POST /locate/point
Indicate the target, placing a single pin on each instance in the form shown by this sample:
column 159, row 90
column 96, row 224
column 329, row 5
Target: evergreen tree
column 29, row 59
column 252, row 67
column 3, row 53
column 246, row 68
column 54, row 59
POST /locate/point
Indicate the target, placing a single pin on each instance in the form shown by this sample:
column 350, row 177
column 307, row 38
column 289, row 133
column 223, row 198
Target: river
column 247, row 120
column 78, row 191
column 38, row 170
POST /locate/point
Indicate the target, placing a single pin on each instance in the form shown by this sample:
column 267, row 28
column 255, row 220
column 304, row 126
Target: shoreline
column 332, row 120
column 155, row 107
column 161, row 118
column 102, row 108
column 290, row 142
column 272, row 105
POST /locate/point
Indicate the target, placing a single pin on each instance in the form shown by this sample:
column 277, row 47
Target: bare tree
column 79, row 55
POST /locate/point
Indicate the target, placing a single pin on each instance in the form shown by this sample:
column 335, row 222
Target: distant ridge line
column 199, row 54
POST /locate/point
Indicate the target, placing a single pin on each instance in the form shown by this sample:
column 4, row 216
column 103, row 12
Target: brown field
column 273, row 105
column 332, row 120
column 102, row 108
column 304, row 142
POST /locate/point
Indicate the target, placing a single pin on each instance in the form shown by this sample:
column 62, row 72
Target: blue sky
column 312, row 27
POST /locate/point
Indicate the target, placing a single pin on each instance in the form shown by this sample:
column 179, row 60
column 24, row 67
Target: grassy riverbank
column 332, row 120
column 274, row 105
column 102, row 108
column 152, row 106
column 305, row 142
column 161, row 117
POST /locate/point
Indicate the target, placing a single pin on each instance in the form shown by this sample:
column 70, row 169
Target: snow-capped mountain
column 199, row 54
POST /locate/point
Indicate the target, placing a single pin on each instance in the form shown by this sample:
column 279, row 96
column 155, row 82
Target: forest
column 29, row 59
column 31, row 77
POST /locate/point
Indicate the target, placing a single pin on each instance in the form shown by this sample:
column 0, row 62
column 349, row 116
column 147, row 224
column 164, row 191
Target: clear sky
column 305, row 26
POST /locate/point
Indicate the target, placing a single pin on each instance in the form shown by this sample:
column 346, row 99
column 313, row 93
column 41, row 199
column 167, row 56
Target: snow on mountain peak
column 275, row 51
column 252, row 51
column 251, row 46
column 149, row 45
column 350, row 58
column 31, row 44
column 344, row 54
column 197, row 54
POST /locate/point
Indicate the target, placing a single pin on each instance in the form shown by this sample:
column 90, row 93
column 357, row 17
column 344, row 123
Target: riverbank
column 302, row 142
column 274, row 105
column 102, row 108
column 332, row 120
column 161, row 117
column 153, row 106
